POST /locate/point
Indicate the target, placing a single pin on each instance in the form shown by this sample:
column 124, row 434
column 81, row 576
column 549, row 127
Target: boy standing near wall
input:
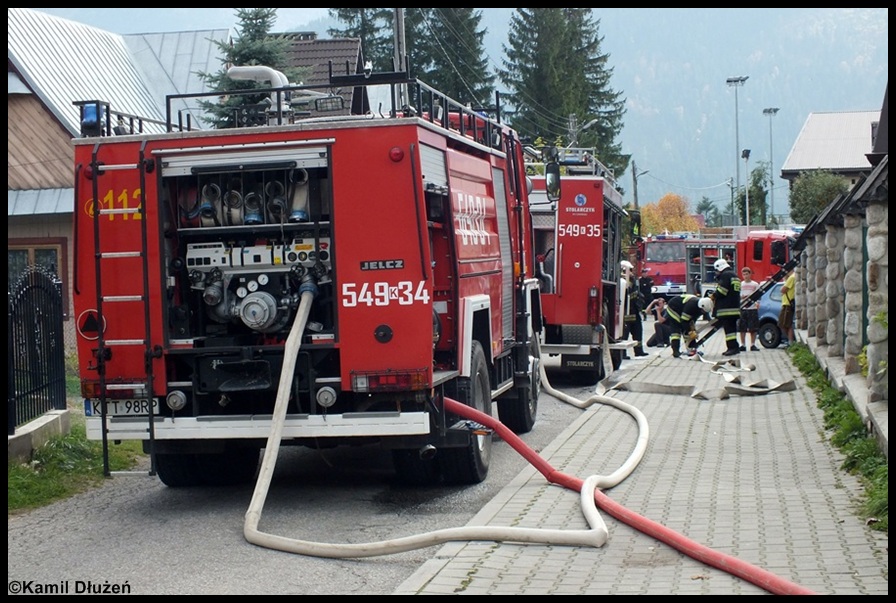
column 749, row 314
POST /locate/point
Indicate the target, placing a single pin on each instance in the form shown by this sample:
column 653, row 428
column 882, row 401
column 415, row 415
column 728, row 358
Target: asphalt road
column 135, row 535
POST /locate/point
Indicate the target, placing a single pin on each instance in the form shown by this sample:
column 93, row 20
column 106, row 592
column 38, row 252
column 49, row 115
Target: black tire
column 178, row 470
column 469, row 465
column 769, row 335
column 412, row 470
column 592, row 376
column 233, row 467
column 518, row 410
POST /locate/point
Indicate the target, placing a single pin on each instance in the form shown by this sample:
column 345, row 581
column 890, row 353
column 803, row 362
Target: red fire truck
column 579, row 243
column 683, row 263
column 363, row 265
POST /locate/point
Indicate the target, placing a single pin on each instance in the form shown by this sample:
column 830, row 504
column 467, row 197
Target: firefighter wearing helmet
column 683, row 311
column 634, row 305
column 726, row 299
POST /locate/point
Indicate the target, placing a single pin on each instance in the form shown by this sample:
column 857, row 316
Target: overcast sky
column 149, row 20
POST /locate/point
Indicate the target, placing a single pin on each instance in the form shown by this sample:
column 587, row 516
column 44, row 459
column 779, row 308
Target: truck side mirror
column 552, row 180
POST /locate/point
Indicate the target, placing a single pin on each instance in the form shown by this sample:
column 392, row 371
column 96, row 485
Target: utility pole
column 635, row 176
column 399, row 59
column 731, row 186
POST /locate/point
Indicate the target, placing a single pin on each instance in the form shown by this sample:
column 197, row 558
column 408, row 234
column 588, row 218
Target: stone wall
column 842, row 304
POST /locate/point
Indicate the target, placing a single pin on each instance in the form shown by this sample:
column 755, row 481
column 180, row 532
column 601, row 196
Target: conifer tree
column 253, row 45
column 446, row 50
column 373, row 26
column 559, row 81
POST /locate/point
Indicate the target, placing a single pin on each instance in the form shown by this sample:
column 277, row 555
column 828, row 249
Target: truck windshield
column 665, row 251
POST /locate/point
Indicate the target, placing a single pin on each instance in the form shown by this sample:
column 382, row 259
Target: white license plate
column 93, row 408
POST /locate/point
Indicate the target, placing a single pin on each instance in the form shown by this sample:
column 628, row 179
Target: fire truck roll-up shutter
column 262, row 157
column 506, row 254
column 432, row 164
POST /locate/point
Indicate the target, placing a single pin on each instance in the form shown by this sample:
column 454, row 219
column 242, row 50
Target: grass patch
column 64, row 466
column 863, row 456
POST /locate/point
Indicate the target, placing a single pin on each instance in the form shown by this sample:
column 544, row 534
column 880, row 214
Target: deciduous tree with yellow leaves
column 672, row 213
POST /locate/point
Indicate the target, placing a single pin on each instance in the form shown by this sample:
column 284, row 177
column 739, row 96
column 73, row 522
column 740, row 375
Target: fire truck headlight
column 176, row 400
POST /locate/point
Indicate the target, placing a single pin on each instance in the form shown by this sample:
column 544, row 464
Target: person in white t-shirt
column 749, row 314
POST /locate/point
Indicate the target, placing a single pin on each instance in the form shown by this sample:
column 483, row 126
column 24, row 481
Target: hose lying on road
column 591, row 497
column 596, row 536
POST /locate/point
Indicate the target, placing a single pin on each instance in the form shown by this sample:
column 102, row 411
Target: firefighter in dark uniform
column 634, row 305
column 726, row 298
column 683, row 311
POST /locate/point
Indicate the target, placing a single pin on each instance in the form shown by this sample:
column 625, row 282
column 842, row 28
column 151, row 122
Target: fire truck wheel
column 178, row 470
column 232, row 467
column 414, row 470
column 592, row 376
column 517, row 409
column 228, row 468
column 469, row 465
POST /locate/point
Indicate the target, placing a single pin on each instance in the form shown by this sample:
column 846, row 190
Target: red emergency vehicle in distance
column 662, row 259
column 682, row 263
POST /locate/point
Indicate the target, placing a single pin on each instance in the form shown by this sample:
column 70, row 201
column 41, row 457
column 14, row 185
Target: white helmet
column 705, row 303
column 720, row 265
column 626, row 265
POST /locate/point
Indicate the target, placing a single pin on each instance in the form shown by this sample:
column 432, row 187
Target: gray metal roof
column 40, row 202
column 64, row 61
column 837, row 141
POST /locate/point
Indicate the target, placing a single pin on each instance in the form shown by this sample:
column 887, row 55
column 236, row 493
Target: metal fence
column 36, row 347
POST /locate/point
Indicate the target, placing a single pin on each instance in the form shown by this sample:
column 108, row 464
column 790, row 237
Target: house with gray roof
column 51, row 64
column 837, row 141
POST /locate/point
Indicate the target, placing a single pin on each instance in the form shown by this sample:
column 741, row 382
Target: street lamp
column 635, row 175
column 575, row 130
column 736, row 82
column 746, row 155
column 770, row 111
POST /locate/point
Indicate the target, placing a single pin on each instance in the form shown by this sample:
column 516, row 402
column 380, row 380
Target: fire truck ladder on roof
column 105, row 260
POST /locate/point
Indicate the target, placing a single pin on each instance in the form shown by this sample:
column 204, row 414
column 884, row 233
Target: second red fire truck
column 579, row 242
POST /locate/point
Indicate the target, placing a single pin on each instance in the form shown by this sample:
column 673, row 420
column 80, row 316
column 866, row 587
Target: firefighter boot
column 639, row 350
column 675, row 343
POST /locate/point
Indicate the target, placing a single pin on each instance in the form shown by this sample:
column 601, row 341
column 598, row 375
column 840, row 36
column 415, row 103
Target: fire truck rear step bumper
column 259, row 426
column 584, row 350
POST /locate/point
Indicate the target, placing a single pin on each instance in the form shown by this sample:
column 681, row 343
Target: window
column 48, row 253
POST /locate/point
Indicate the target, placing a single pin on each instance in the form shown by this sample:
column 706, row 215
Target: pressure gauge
column 252, row 285
column 241, row 292
column 262, row 279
